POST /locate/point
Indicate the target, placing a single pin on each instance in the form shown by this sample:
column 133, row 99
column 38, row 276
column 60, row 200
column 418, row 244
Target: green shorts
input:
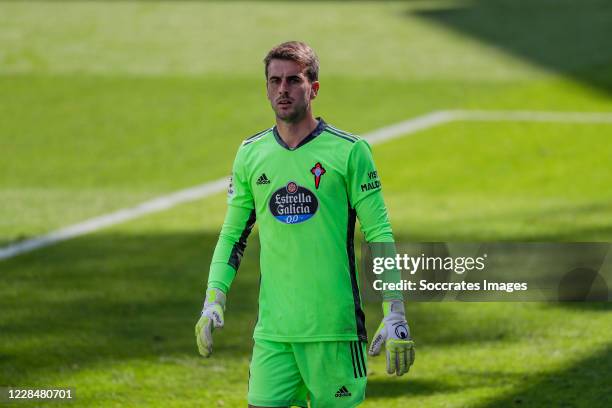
column 328, row 373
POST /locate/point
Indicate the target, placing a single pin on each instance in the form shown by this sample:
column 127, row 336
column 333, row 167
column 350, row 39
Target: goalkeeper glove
column 212, row 318
column 395, row 333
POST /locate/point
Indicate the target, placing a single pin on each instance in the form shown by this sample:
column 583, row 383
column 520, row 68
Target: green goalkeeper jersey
column 305, row 200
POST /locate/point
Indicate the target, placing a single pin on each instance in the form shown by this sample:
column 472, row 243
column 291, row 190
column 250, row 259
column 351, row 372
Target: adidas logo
column 343, row 392
column 263, row 179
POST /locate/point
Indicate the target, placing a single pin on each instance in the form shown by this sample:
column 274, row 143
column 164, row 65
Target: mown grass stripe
column 384, row 134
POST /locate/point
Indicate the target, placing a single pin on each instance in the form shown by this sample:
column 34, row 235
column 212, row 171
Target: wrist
column 214, row 296
column 395, row 306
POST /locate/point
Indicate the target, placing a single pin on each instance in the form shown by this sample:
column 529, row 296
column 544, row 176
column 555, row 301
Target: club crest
column 318, row 171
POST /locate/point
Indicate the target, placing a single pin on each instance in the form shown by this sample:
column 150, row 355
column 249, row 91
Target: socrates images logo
column 293, row 204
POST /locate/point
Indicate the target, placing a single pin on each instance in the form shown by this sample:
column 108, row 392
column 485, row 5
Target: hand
column 395, row 334
column 212, row 318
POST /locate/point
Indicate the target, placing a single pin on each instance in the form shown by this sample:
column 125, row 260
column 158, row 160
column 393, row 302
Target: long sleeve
column 238, row 223
column 365, row 196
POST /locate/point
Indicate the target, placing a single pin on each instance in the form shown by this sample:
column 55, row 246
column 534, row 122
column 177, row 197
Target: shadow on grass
column 583, row 384
column 586, row 306
column 390, row 388
column 109, row 296
column 568, row 36
column 120, row 296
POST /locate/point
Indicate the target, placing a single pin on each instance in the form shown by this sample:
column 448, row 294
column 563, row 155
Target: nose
column 283, row 88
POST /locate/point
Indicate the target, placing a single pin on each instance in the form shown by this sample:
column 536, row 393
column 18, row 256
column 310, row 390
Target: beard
column 297, row 112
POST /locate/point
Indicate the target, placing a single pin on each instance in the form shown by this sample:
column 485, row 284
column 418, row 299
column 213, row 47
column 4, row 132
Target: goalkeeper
column 305, row 182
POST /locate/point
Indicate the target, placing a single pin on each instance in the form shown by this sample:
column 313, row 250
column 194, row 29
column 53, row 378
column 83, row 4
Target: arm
column 365, row 196
column 239, row 221
column 376, row 229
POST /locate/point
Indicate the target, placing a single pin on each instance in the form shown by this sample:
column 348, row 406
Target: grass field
column 106, row 104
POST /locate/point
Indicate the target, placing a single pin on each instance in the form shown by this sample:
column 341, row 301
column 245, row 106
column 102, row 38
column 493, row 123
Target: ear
column 314, row 89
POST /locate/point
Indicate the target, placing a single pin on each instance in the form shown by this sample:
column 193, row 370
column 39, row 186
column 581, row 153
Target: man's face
column 289, row 90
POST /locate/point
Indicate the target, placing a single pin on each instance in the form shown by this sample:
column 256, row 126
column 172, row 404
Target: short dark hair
column 299, row 52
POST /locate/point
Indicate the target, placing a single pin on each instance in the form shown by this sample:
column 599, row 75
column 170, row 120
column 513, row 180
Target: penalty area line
column 198, row 192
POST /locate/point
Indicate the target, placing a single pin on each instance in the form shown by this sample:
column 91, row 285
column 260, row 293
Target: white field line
column 103, row 221
column 409, row 126
column 384, row 134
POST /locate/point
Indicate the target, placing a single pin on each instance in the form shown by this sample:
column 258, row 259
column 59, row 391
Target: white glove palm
column 212, row 318
column 395, row 334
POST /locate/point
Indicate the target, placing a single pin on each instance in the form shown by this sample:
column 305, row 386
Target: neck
column 293, row 133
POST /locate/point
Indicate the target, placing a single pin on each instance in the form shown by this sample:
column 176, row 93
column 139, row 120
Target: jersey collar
column 316, row 132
